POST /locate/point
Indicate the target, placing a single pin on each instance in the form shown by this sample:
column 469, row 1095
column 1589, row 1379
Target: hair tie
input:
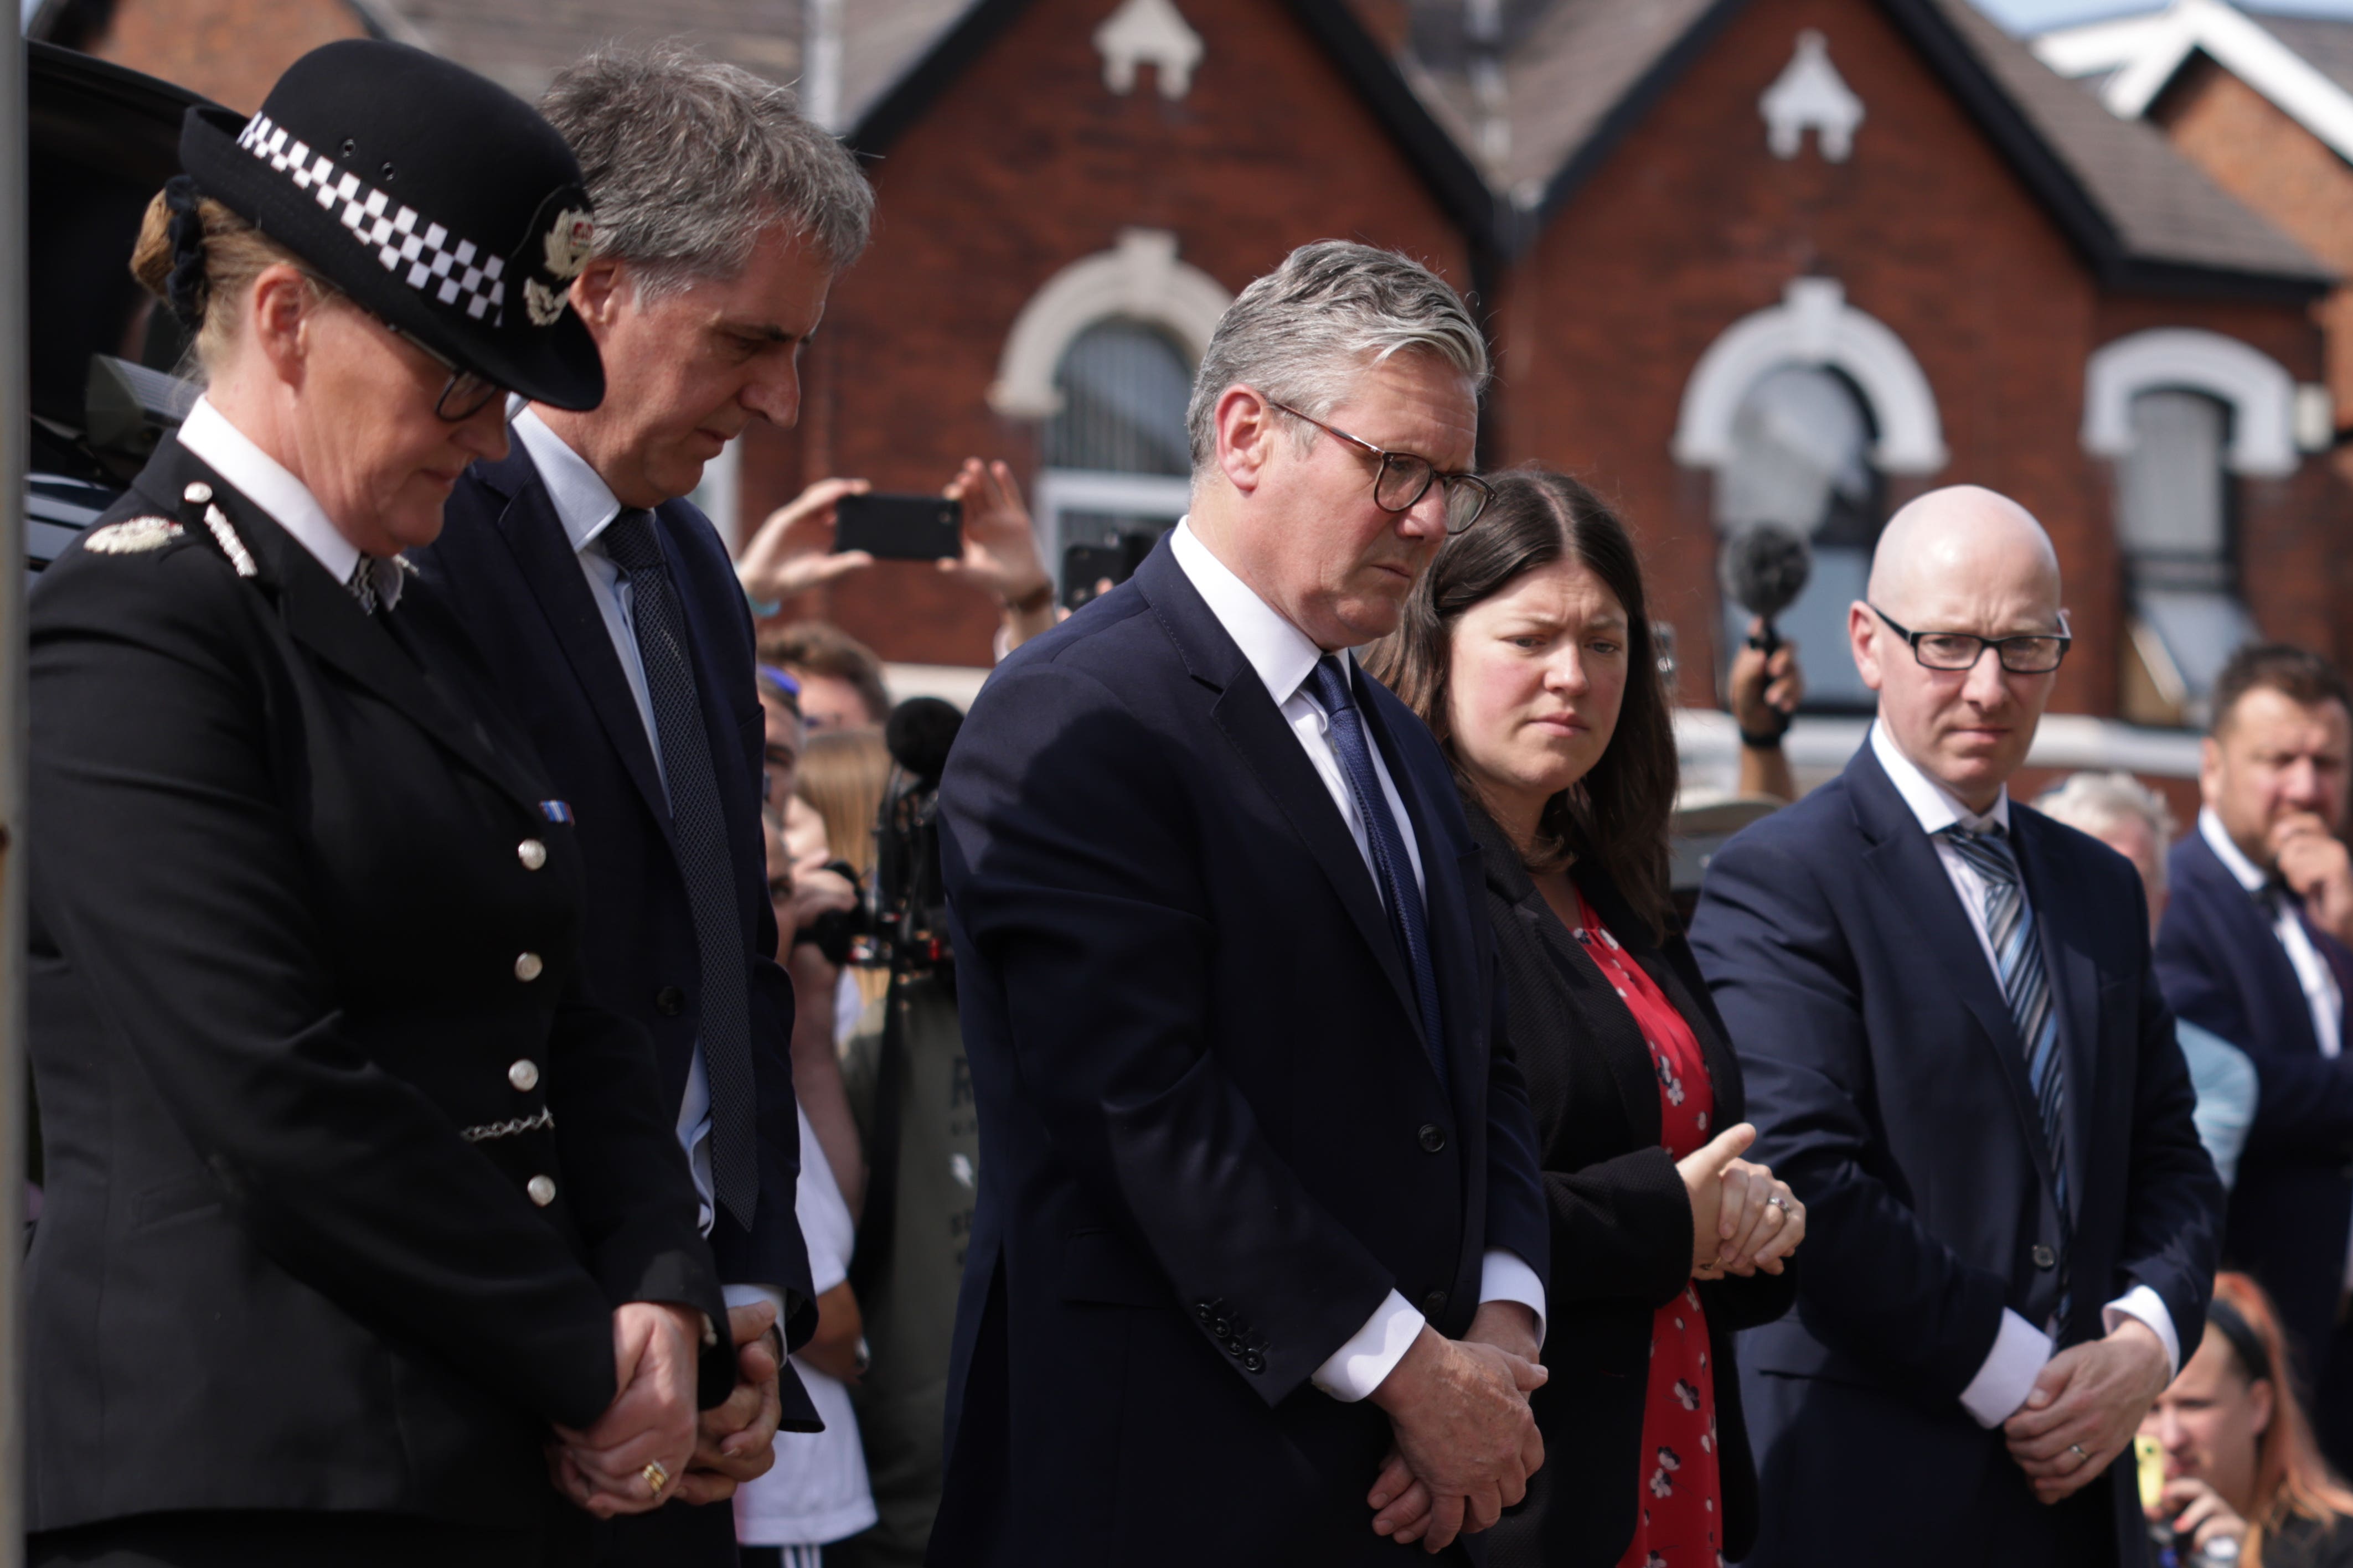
column 2243, row 1339
column 184, row 289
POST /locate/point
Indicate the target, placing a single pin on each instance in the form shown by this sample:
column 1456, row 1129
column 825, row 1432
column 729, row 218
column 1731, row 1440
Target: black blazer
column 505, row 566
column 306, row 1024
column 1212, row 1136
column 1621, row 1225
column 1890, row 1089
column 2221, row 965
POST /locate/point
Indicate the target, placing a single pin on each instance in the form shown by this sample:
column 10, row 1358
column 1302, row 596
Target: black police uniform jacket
column 306, row 1029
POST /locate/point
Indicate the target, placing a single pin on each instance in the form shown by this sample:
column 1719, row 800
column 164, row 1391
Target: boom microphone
column 919, row 732
column 1764, row 568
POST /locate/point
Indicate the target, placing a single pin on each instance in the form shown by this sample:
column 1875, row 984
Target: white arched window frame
column 1813, row 325
column 1140, row 278
column 2259, row 393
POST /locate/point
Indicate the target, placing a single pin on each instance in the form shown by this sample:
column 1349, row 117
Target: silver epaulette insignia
column 231, row 545
column 131, row 536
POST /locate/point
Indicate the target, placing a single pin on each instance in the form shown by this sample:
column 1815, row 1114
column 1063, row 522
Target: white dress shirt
column 2322, row 995
column 586, row 507
column 2007, row 1375
column 258, row 477
column 1283, row 656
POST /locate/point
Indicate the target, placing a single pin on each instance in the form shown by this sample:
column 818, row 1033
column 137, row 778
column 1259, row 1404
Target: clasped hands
column 2086, row 1405
column 1466, row 1442
column 653, row 1420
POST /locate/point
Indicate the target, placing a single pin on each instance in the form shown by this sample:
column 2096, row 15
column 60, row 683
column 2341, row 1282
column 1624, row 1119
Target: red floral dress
column 1680, row 1524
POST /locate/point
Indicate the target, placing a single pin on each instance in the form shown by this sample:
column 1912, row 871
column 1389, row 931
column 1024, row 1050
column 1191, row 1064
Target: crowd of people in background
column 628, row 1091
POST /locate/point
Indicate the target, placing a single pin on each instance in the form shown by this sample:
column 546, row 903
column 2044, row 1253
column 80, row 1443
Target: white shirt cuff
column 2007, row 1375
column 2145, row 1304
column 1504, row 1275
column 1372, row 1352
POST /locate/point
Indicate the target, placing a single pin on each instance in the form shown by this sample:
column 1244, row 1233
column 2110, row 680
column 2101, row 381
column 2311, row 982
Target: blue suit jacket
column 509, row 572
column 1889, row 1089
column 2221, row 965
column 1212, row 1136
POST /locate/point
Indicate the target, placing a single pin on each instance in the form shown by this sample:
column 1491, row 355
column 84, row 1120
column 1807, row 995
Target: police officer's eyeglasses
column 466, row 393
column 2034, row 653
column 1405, row 478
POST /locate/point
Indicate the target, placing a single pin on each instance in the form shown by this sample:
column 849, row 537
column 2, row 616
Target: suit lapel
column 1917, row 884
column 552, row 567
column 2074, row 981
column 1245, row 710
column 2244, row 925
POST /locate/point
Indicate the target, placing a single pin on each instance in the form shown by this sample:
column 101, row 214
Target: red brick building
column 1741, row 260
column 1787, row 260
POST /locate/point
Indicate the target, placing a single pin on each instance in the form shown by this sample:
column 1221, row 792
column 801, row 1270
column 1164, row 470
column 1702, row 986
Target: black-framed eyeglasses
column 2031, row 653
column 465, row 395
column 1405, row 478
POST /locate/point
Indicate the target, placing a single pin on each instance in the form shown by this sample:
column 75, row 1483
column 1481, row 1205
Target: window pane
column 2172, row 485
column 1801, row 458
column 1123, row 389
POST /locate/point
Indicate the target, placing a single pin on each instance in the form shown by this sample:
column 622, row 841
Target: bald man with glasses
column 1956, row 1056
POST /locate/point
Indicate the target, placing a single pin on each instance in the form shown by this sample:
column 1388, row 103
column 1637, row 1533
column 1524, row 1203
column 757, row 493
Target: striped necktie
column 2027, row 987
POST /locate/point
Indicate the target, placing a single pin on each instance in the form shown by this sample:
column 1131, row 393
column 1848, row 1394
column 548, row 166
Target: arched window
column 1123, row 385
column 1801, row 444
column 2174, row 525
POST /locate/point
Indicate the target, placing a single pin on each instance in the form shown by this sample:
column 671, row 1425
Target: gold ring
column 656, row 1477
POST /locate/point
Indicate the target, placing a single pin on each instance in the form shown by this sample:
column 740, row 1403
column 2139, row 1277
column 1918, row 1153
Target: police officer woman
column 323, row 1275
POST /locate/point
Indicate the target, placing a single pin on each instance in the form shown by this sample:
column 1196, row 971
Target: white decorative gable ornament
column 1810, row 95
column 1148, row 32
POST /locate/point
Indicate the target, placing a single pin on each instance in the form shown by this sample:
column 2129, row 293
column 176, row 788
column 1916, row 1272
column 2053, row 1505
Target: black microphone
column 918, row 734
column 1763, row 569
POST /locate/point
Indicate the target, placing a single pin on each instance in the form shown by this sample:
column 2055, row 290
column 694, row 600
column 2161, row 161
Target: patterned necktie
column 701, row 831
column 1329, row 685
column 376, row 580
column 2025, row 985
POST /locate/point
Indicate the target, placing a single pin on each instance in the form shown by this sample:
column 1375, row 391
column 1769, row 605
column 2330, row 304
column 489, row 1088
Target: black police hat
column 439, row 201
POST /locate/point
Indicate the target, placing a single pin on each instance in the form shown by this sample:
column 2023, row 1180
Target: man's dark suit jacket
column 1621, row 1219
column 2221, row 965
column 1212, row 1136
column 274, row 914
column 1889, row 1089
column 506, row 567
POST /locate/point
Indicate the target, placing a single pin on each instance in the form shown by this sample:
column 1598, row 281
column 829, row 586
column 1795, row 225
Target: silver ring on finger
column 2077, row 1449
column 1778, row 1201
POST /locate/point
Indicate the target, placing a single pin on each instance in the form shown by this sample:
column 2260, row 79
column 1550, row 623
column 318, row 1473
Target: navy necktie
column 699, row 829
column 2027, row 988
column 1392, row 867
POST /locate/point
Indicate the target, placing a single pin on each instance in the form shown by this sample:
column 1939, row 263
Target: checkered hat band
column 423, row 254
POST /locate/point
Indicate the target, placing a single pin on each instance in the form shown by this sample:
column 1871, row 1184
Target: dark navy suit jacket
column 1212, row 1136
column 505, row 564
column 2221, row 965
column 1890, row 1089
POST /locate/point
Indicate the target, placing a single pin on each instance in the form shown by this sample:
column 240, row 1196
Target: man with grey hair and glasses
column 1261, row 1236
column 613, row 625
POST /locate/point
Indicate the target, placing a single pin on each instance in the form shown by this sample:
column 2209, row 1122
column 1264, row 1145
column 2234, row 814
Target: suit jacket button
column 1433, row 1304
column 524, row 1075
column 1253, row 1363
column 2043, row 1257
column 1201, row 1310
column 542, row 1190
column 531, row 853
column 1433, row 1138
column 669, row 1001
column 1222, row 1329
column 528, row 966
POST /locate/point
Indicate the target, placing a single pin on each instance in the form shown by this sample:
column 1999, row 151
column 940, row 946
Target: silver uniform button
column 542, row 1190
column 524, row 1075
column 531, row 853
column 198, row 493
column 527, row 967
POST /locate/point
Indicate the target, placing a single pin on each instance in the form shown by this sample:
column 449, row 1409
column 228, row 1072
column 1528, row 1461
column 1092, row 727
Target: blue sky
column 2032, row 15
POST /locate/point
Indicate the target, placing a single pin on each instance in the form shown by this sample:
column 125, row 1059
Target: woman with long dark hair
column 1528, row 649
